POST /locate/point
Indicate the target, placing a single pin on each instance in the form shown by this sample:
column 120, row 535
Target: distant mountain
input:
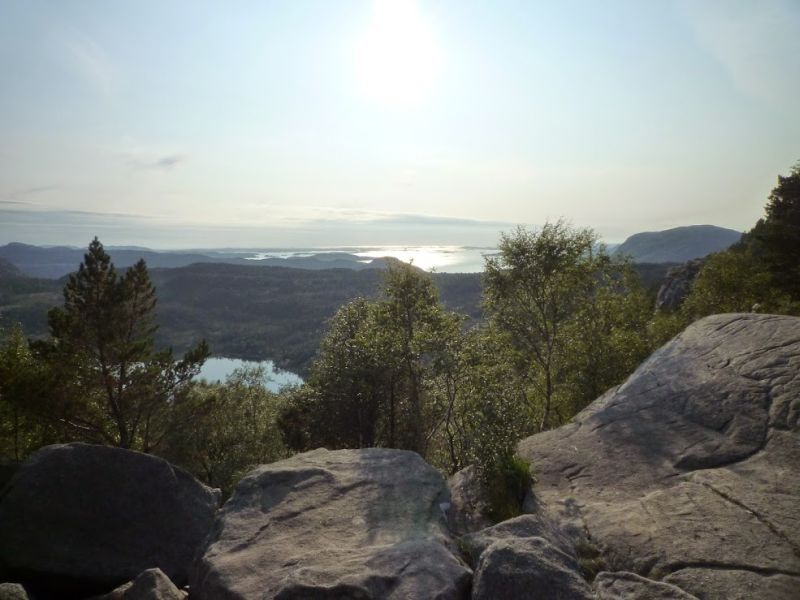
column 7, row 269
column 56, row 261
column 679, row 244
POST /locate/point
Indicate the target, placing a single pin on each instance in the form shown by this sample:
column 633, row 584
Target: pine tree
column 112, row 385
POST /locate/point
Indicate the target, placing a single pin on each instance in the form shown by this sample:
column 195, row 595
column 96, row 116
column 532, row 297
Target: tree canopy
column 110, row 383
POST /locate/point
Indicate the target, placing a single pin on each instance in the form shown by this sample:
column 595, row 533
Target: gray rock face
column 678, row 284
column 629, row 586
column 12, row 591
column 149, row 585
column 468, row 503
column 688, row 472
column 345, row 524
column 524, row 526
column 87, row 518
column 528, row 569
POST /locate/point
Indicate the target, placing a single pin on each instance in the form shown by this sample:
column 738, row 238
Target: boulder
column 529, row 568
column 83, row 519
column 12, row 591
column 687, row 472
column 524, row 526
column 151, row 584
column 629, row 586
column 345, row 524
column 468, row 503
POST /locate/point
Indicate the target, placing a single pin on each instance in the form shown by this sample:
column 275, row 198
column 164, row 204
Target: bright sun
column 397, row 58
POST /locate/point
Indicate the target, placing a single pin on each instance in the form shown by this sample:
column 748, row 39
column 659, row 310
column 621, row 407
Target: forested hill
column 250, row 311
column 679, row 244
column 56, row 261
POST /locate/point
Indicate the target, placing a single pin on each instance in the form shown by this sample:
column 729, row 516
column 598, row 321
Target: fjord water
column 443, row 259
column 218, row 369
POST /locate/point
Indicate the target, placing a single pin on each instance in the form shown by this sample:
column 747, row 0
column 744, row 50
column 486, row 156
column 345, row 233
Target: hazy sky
column 199, row 124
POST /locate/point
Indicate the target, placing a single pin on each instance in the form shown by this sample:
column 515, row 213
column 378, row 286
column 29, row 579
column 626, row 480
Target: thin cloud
column 165, row 162
column 90, row 62
column 15, row 196
column 757, row 43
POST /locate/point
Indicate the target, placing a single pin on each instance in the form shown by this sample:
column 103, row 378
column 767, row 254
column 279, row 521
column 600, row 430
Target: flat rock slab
column 688, row 472
column 87, row 518
column 629, row 586
column 345, row 524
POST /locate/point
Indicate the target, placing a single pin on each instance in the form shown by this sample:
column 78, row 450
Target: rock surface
column 528, row 569
column 87, row 518
column 12, row 591
column 524, row 526
column 151, row 584
column 468, row 503
column 345, row 524
column 677, row 284
column 629, row 586
column 688, row 472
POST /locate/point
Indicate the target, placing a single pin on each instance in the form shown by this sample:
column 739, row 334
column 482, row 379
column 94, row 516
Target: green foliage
column 762, row 272
column 233, row 427
column 590, row 559
column 371, row 383
column 506, row 484
column 110, row 384
column 571, row 315
column 22, row 378
column 775, row 239
column 730, row 281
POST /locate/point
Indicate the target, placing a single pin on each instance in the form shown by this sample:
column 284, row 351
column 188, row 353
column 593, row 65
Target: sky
column 314, row 122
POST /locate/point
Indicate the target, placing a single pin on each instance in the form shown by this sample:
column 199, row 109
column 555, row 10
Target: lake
column 218, row 369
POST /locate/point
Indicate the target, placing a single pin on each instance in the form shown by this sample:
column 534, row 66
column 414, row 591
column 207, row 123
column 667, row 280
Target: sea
column 441, row 259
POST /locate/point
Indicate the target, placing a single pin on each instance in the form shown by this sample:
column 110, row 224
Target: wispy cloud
column 18, row 196
column 89, row 61
column 165, row 162
column 756, row 42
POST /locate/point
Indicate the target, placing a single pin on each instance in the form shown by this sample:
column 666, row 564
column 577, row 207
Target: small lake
column 217, row 369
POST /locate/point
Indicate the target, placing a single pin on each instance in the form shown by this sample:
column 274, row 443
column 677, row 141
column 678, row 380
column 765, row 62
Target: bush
column 506, row 486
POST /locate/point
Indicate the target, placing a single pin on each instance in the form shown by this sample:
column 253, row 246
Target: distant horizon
column 267, row 246
column 390, row 122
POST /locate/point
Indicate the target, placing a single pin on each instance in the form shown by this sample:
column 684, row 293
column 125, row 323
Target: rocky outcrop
column 345, row 524
column 677, row 285
column 12, row 591
column 151, row 584
column 468, row 503
column 629, row 586
column 84, row 519
column 688, row 472
column 528, row 568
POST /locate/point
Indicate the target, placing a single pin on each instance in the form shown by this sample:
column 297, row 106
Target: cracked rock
column 345, row 524
column 688, row 472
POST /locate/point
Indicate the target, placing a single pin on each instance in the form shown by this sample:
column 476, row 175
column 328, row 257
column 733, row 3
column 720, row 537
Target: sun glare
column 397, row 58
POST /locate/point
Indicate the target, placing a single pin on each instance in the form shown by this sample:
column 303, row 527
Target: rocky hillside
column 679, row 244
column 688, row 473
column 681, row 484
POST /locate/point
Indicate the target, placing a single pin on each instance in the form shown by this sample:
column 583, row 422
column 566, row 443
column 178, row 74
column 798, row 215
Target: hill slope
column 679, row 244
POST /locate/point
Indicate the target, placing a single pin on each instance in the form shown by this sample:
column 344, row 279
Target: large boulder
column 151, row 584
column 83, row 519
column 12, row 591
column 469, row 502
column 688, row 472
column 529, row 568
column 344, row 524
